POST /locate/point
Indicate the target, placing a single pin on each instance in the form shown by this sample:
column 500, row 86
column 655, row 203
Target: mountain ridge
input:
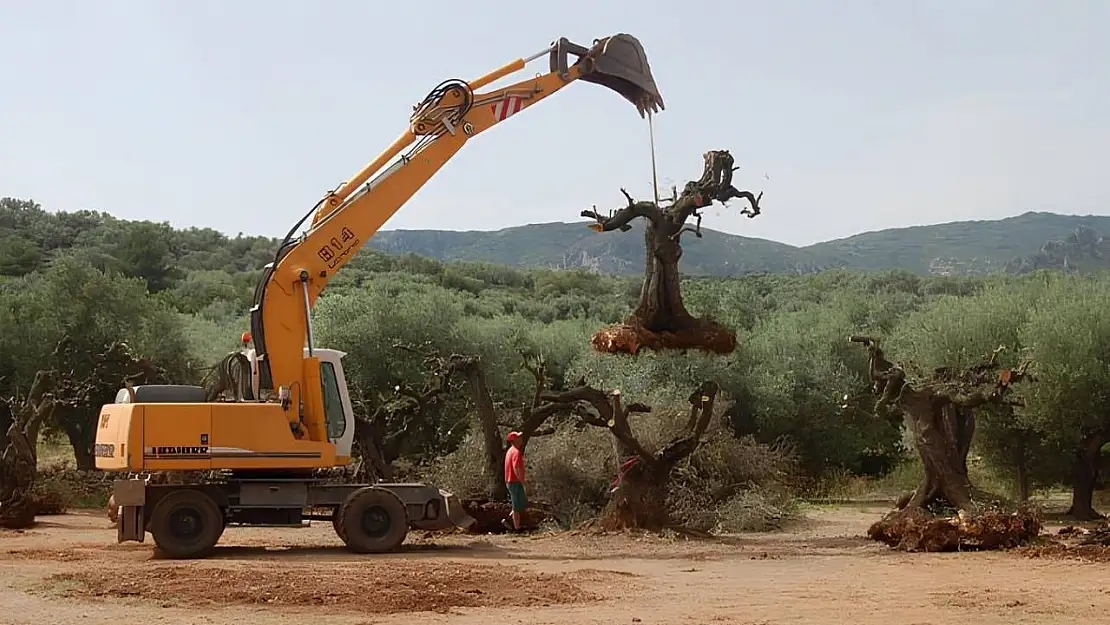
column 972, row 247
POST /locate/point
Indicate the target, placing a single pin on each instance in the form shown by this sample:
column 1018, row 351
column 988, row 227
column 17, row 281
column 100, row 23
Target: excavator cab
column 617, row 62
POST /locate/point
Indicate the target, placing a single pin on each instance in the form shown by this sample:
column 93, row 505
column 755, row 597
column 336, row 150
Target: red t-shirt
column 514, row 465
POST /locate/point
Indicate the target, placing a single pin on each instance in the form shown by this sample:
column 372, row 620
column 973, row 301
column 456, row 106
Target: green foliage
column 182, row 296
column 798, row 367
column 1068, row 339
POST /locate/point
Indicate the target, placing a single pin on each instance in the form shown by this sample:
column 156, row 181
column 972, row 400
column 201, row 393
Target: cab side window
column 333, row 401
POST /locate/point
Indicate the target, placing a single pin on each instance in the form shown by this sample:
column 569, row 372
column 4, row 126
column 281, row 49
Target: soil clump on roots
column 917, row 529
column 489, row 516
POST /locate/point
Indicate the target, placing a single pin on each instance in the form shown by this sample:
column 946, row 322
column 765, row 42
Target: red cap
column 513, row 436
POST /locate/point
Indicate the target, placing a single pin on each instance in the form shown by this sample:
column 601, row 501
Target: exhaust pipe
column 617, row 62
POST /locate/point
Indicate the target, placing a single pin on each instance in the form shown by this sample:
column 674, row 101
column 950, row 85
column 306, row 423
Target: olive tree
column 1068, row 335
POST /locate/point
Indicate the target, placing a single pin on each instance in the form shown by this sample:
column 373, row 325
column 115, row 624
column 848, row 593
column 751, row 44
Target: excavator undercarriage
column 187, row 520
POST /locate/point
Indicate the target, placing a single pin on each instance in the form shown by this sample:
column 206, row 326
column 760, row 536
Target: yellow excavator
column 268, row 440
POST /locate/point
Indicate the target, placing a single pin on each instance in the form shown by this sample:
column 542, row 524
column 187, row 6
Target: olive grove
column 445, row 358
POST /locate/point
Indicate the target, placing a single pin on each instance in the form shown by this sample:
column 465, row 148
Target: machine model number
column 104, row 450
column 338, row 247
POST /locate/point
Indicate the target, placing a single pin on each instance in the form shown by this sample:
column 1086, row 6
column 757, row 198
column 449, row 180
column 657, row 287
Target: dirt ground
column 69, row 569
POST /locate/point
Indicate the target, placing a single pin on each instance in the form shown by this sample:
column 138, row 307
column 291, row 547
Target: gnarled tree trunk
column 942, row 434
column 491, row 436
column 1084, row 476
column 941, row 411
column 18, row 469
column 639, row 499
column 660, row 320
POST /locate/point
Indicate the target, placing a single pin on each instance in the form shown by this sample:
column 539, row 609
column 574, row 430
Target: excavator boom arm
column 345, row 219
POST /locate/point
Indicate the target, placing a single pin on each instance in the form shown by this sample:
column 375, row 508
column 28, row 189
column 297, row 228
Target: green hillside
column 567, row 245
column 30, row 235
column 958, row 248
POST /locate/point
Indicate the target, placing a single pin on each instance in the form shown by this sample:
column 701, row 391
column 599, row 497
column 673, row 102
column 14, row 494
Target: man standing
column 514, row 478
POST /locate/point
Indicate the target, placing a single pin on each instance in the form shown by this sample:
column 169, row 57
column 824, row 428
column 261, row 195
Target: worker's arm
column 346, row 218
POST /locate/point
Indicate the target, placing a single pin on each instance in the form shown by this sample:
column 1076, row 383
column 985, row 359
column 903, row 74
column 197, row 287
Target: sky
column 850, row 116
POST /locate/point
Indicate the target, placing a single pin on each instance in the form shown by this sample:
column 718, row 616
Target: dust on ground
column 70, row 569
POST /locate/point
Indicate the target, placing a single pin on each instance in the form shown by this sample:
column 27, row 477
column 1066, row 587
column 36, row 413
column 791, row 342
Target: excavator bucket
column 456, row 513
column 617, row 62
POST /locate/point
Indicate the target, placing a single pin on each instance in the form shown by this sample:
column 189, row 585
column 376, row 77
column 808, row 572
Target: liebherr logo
column 199, row 450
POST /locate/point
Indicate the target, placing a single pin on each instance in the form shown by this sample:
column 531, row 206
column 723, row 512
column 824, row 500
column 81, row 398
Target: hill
column 956, row 248
column 30, row 236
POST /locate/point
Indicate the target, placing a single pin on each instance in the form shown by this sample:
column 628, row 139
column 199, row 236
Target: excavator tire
column 337, row 523
column 186, row 523
column 372, row 520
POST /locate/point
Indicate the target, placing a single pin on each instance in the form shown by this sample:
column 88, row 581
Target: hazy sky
column 238, row 115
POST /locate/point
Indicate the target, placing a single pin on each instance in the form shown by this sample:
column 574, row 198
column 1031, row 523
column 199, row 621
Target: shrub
column 729, row 484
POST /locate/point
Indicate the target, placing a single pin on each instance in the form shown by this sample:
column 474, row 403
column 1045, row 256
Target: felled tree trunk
column 1084, row 476
column 660, row 320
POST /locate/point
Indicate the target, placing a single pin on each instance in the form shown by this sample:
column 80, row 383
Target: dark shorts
column 517, row 496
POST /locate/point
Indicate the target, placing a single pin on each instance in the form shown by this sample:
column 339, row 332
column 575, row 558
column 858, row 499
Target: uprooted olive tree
column 660, row 320
column 941, row 409
column 18, row 459
column 638, row 499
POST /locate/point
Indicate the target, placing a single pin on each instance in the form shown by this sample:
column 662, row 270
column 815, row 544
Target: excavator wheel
column 372, row 520
column 186, row 524
column 337, row 523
